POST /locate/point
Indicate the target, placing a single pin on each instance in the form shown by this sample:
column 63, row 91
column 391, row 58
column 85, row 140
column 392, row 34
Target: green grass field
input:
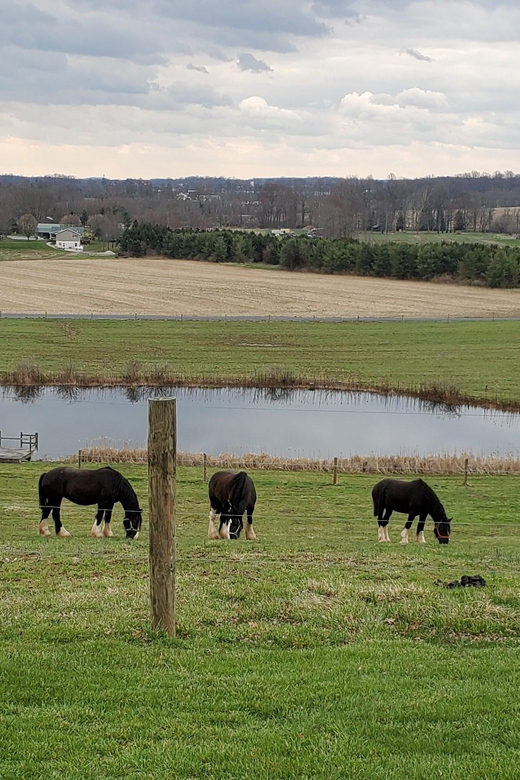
column 14, row 249
column 313, row 652
column 424, row 237
column 479, row 360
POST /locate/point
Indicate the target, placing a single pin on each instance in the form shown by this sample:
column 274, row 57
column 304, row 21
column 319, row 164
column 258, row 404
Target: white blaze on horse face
column 96, row 531
column 420, row 538
column 63, row 531
column 43, row 529
column 404, row 536
column 212, row 531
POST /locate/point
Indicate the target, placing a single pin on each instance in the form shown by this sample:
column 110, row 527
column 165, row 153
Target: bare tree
column 71, row 219
column 27, row 225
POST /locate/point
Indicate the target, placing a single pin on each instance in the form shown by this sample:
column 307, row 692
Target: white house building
column 69, row 238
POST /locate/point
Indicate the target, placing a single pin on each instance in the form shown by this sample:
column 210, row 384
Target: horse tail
column 378, row 499
column 43, row 498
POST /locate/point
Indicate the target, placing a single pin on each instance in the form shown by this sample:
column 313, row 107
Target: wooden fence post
column 162, row 446
column 80, row 458
column 205, row 466
column 465, row 483
column 335, row 472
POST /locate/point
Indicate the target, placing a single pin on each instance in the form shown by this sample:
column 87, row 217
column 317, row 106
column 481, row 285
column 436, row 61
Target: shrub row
column 486, row 264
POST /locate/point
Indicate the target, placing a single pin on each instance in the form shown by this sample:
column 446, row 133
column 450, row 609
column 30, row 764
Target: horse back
column 406, row 497
column 231, row 487
column 82, row 486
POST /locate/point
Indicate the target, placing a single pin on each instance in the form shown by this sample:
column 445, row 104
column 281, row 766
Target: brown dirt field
column 175, row 287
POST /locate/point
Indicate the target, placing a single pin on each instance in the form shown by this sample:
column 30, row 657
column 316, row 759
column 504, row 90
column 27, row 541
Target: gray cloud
column 248, row 62
column 417, row 55
column 166, row 73
column 198, row 68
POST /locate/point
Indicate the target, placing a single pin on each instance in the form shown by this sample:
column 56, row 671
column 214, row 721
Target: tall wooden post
column 205, row 467
column 465, row 483
column 335, row 472
column 162, row 447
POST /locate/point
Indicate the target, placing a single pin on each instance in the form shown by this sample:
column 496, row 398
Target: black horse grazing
column 104, row 487
column 412, row 498
column 230, row 495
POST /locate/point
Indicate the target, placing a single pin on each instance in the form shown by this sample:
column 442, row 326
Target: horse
column 230, row 495
column 411, row 498
column 104, row 487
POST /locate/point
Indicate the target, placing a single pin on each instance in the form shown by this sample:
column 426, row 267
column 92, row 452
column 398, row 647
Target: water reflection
column 286, row 422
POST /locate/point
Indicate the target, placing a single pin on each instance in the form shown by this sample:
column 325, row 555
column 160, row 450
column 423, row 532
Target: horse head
column 132, row 522
column 236, row 525
column 442, row 531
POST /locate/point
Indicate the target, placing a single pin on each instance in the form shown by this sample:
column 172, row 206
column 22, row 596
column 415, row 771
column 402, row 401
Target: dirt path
column 174, row 287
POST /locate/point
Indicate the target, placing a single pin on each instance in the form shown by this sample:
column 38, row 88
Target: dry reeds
column 134, row 375
column 443, row 464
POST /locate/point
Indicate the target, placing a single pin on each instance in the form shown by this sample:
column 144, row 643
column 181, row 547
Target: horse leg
column 58, row 525
column 97, row 529
column 212, row 530
column 420, row 529
column 250, row 534
column 107, row 530
column 407, row 526
column 43, row 528
column 382, row 523
column 225, row 525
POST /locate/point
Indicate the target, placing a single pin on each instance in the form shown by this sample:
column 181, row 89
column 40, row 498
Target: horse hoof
column 108, row 532
column 63, row 532
column 44, row 532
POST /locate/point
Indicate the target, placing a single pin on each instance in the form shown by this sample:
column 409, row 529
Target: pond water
column 296, row 423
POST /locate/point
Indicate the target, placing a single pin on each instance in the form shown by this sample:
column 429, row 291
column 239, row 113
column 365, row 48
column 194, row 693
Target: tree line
column 484, row 264
column 336, row 206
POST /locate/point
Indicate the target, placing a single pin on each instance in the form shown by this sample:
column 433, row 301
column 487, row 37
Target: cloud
column 343, row 75
column 199, row 68
column 417, row 55
column 248, row 62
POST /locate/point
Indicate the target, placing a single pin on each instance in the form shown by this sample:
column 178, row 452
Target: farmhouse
column 69, row 238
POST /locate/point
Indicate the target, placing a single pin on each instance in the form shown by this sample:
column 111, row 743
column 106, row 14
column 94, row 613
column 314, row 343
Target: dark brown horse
column 230, row 495
column 411, row 498
column 104, row 487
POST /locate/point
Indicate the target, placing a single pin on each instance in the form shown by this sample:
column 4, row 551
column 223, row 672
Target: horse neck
column 438, row 513
column 126, row 495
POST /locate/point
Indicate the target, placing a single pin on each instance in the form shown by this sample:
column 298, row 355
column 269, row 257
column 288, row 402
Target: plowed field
column 175, row 287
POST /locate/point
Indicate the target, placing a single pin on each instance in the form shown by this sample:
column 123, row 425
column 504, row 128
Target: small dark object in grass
column 466, row 581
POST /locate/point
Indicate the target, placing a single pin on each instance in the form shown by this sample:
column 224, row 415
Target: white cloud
column 415, row 83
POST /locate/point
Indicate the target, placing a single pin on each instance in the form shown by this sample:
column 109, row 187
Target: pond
column 292, row 424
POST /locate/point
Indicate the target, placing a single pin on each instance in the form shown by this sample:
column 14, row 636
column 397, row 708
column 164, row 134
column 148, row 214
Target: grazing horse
column 411, row 498
column 230, row 495
column 103, row 487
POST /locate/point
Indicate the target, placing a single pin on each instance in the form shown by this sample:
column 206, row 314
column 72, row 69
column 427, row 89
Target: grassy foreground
column 311, row 653
column 479, row 361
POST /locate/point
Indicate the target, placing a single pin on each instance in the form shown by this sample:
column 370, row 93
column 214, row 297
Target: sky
column 235, row 88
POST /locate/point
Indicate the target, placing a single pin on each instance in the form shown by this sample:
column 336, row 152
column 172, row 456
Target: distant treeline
column 485, row 264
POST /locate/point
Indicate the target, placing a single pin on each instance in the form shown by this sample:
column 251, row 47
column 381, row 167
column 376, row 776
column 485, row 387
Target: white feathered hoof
column 96, row 531
column 63, row 532
column 107, row 531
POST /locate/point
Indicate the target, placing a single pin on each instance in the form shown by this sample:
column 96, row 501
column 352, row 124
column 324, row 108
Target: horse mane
column 125, row 493
column 433, row 498
column 236, row 487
